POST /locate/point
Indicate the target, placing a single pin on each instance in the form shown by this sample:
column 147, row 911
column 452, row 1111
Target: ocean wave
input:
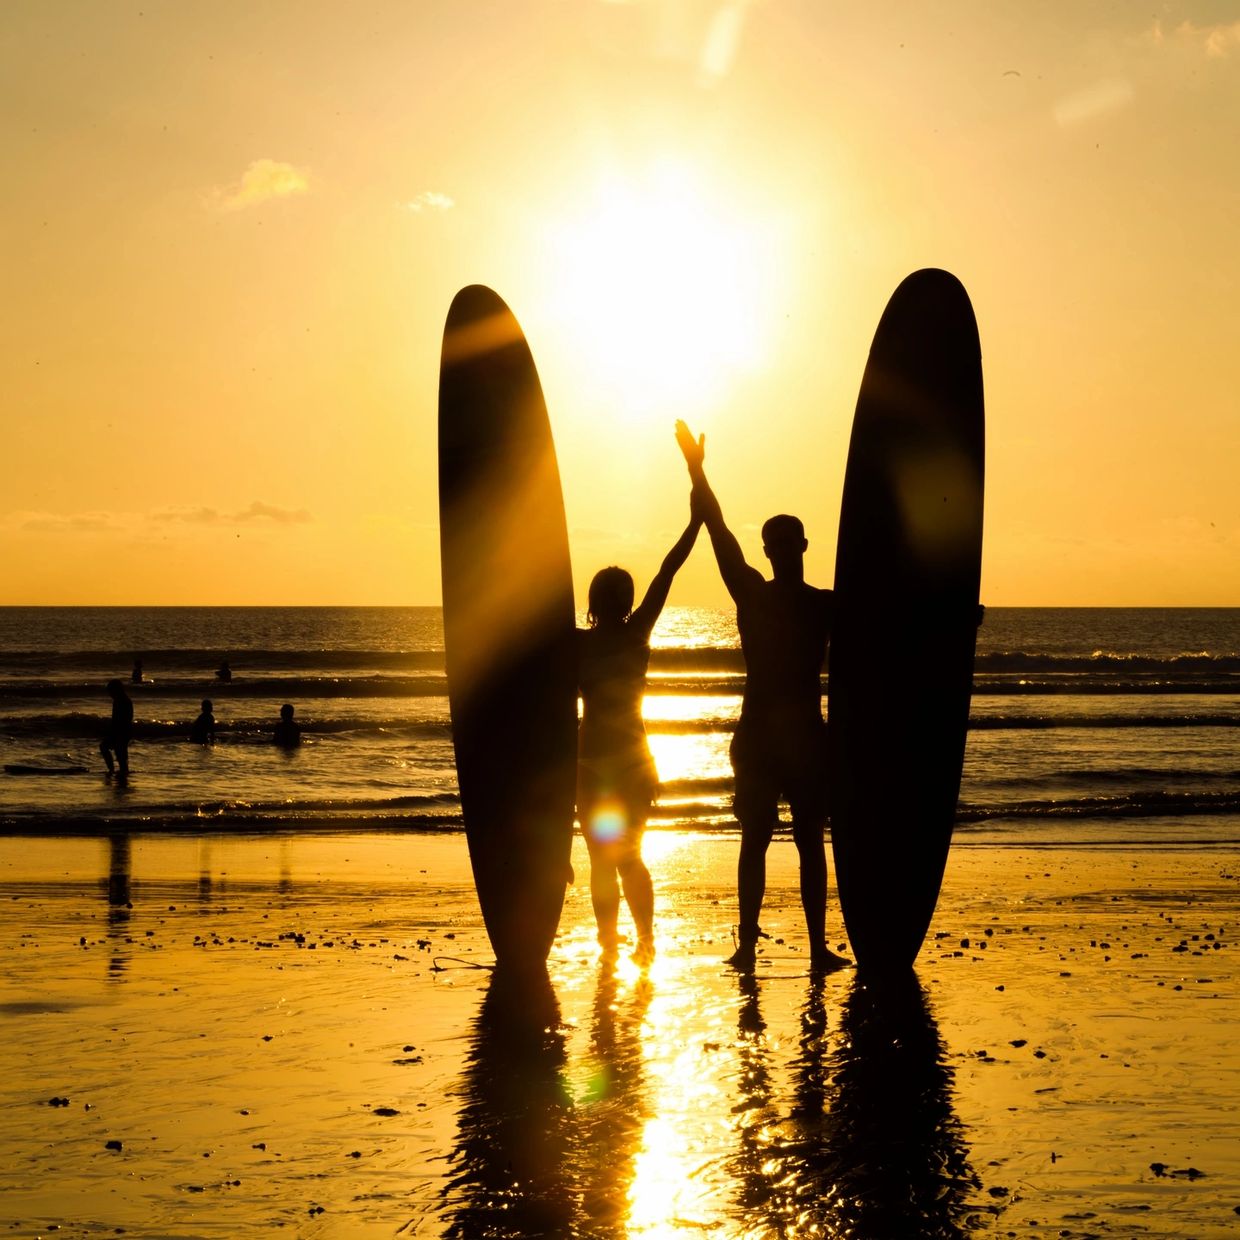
column 1189, row 719
column 291, row 688
column 252, row 728
column 1193, row 663
column 202, row 662
column 690, row 803
column 1149, row 804
column 79, row 725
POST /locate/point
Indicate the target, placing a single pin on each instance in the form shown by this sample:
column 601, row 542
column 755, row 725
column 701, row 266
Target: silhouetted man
column 779, row 749
column 116, row 739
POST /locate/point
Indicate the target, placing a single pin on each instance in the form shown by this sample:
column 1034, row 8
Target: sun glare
column 664, row 290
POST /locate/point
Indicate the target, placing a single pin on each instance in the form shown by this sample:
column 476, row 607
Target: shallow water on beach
column 293, row 1033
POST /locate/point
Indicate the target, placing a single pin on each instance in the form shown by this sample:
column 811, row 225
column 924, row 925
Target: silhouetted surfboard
column 508, row 625
column 907, row 571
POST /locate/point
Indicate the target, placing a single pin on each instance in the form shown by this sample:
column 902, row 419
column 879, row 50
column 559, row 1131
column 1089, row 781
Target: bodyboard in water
column 508, row 625
column 907, row 573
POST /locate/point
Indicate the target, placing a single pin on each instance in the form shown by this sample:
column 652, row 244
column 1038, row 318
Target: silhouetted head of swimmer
column 784, row 542
column 611, row 597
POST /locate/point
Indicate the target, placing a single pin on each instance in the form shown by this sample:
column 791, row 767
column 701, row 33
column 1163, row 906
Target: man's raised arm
column 736, row 573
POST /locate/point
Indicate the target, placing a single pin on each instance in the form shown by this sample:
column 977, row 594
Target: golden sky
column 230, row 233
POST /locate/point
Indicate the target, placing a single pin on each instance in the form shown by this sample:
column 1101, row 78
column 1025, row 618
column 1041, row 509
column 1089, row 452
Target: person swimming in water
column 286, row 734
column 202, row 730
column 616, row 777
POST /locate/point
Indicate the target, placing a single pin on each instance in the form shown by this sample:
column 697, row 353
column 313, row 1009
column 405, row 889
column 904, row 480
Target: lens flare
column 608, row 822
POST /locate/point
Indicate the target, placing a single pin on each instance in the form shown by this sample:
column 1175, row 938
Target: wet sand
column 225, row 1036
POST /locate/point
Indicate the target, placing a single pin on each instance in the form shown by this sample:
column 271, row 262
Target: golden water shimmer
column 222, row 1036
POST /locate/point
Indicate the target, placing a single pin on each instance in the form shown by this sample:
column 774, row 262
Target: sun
column 663, row 288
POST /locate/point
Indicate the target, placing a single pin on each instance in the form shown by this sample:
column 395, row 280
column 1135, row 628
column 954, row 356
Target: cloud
column 430, row 200
column 1109, row 95
column 262, row 181
column 191, row 516
column 257, row 511
column 66, row 523
column 134, row 523
column 1216, row 41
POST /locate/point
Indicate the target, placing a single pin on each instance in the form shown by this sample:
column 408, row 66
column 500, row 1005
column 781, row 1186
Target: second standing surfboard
column 907, row 572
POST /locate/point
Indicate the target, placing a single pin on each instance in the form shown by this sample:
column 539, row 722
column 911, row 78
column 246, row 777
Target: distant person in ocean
column 779, row 747
column 202, row 730
column 136, row 675
column 287, row 734
column 616, row 777
column 115, row 744
column 223, row 672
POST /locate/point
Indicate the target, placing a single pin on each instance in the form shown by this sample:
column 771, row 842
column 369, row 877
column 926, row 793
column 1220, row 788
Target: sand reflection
column 509, row 1165
column 613, row 1111
column 871, row 1145
column 120, row 904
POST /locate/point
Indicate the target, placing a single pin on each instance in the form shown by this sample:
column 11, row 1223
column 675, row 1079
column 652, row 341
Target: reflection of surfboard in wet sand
column 508, row 625
column 907, row 570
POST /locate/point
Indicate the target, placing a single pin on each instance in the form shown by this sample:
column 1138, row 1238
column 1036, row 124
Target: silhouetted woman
column 616, row 776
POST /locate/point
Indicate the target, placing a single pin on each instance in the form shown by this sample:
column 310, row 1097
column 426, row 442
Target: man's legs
column 807, row 832
column 751, row 877
column 756, row 806
column 808, row 802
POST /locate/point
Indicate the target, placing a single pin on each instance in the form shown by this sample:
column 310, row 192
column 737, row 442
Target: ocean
column 1088, row 725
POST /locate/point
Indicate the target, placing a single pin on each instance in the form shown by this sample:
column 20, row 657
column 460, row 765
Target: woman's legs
column 638, row 888
column 616, row 862
column 638, row 892
column 604, row 888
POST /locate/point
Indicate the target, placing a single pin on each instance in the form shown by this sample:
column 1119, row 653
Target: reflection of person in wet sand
column 202, row 730
column 616, row 777
column 120, row 904
column 615, row 1109
column 779, row 748
column 115, row 744
column 286, row 733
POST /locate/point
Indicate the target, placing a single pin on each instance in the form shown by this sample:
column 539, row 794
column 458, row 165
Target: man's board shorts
column 779, row 762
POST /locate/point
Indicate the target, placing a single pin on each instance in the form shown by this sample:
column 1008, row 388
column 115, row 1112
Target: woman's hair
column 611, row 595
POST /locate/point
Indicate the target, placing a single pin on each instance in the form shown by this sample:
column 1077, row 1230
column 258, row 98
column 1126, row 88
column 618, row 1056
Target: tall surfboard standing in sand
column 508, row 625
column 907, row 573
